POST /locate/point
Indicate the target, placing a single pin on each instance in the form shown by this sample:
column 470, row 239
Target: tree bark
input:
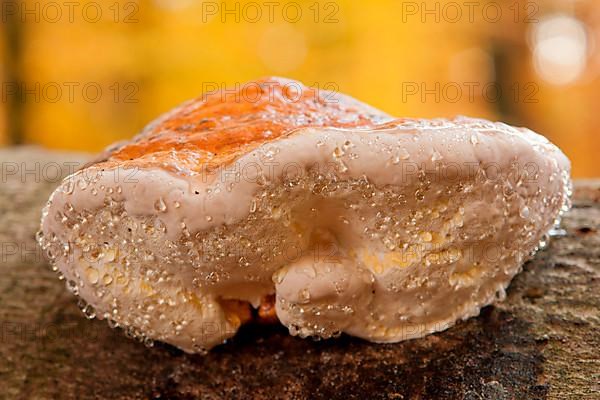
column 542, row 342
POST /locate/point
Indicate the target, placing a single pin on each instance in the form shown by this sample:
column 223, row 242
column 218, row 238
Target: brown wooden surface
column 543, row 341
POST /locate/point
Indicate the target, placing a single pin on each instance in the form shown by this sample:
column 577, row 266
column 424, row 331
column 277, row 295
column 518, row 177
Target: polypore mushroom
column 356, row 222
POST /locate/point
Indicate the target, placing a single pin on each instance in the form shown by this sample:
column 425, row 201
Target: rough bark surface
column 542, row 342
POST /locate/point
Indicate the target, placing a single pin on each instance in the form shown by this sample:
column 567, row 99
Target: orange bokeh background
column 98, row 72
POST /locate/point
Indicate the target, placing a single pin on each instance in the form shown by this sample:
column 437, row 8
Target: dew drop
column 159, row 205
column 426, row 236
column 92, row 275
column 403, row 153
column 304, row 295
column 107, row 279
column 69, row 186
column 89, row 312
column 419, row 195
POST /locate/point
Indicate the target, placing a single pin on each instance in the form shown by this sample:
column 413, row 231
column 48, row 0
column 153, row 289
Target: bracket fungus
column 320, row 211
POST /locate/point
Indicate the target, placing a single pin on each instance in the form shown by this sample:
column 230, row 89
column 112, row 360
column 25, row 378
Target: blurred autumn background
column 79, row 75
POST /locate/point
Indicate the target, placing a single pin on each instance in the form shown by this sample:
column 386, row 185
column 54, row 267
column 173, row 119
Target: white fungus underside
column 369, row 233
